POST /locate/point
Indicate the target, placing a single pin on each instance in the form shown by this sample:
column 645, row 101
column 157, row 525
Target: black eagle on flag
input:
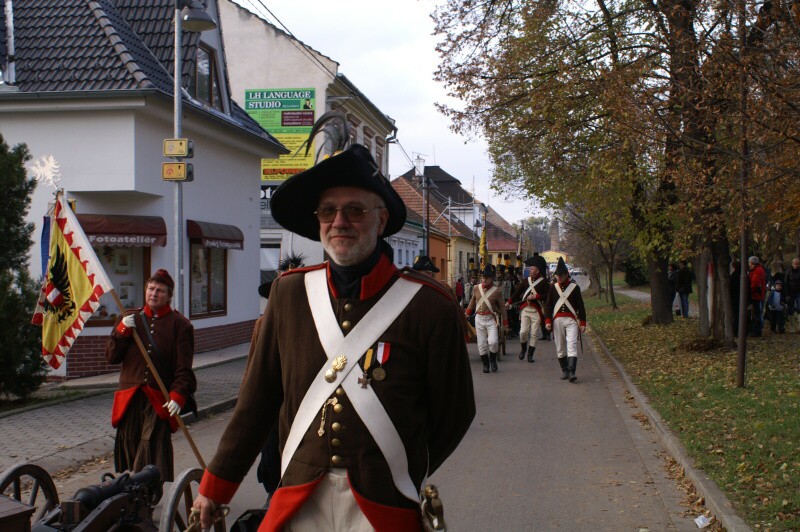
column 58, row 299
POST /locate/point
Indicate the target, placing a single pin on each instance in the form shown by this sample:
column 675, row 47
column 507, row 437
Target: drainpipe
column 10, row 76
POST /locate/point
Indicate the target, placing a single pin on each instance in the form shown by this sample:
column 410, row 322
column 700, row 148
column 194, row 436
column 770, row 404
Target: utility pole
column 419, row 166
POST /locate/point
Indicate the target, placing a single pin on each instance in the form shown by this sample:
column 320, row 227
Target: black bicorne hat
column 561, row 267
column 294, row 202
column 423, row 263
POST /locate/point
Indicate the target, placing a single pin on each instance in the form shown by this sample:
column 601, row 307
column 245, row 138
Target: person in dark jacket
column 776, row 307
column 143, row 417
column 683, row 285
column 792, row 287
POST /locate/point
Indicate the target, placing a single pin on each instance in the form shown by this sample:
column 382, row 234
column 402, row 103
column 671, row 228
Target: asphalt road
column 542, row 454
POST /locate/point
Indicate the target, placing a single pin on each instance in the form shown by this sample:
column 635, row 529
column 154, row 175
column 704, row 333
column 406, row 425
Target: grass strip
column 746, row 440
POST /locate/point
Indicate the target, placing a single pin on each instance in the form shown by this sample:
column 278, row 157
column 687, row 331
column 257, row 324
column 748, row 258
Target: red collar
column 563, row 286
column 160, row 313
column 373, row 282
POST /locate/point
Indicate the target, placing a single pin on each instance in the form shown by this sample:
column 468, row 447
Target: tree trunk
column 700, row 264
column 610, row 291
column 722, row 268
column 660, row 292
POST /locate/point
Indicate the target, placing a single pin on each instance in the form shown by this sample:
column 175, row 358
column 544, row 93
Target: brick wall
column 86, row 357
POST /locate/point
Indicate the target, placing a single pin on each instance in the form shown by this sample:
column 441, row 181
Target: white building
column 97, row 95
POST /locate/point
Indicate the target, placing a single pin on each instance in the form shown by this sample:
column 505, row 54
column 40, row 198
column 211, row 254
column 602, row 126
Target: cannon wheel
column 32, row 481
column 178, row 506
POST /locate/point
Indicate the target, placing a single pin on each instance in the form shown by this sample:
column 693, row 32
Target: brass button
column 336, row 459
column 346, row 325
column 337, row 408
column 336, row 426
column 336, row 442
column 340, row 391
column 348, row 307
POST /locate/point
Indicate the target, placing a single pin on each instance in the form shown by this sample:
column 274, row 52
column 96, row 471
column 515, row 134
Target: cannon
column 127, row 502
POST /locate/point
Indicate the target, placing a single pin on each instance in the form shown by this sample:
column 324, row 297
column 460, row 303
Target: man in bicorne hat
column 565, row 315
column 363, row 366
column 530, row 294
column 490, row 313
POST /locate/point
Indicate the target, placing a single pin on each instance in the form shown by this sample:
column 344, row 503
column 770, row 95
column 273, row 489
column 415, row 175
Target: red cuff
column 178, row 398
column 509, row 301
column 505, row 323
column 124, row 331
column 548, row 321
column 217, row 489
column 583, row 323
column 469, row 312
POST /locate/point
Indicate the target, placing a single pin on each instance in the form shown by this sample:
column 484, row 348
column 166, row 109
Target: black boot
column 493, row 361
column 485, row 360
column 564, row 370
column 531, row 349
column 573, row 361
column 524, row 348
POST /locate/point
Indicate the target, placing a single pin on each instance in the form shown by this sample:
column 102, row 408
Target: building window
column 209, row 281
column 204, row 85
column 379, row 158
column 128, row 269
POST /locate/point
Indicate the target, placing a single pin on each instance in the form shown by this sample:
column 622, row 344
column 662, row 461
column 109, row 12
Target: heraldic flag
column 73, row 284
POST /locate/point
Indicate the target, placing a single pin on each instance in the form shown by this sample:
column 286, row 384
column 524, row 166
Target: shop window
column 270, row 260
column 209, row 281
column 127, row 268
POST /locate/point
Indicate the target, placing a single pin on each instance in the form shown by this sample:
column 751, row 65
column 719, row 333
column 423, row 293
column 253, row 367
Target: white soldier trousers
column 486, row 328
column 529, row 325
column 331, row 506
column 565, row 335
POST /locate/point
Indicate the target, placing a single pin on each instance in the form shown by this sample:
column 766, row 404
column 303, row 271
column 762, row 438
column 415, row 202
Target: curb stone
column 715, row 499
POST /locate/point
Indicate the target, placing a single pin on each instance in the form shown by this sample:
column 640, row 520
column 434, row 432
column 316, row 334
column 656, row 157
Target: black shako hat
column 294, row 202
column 561, row 267
column 488, row 271
column 423, row 263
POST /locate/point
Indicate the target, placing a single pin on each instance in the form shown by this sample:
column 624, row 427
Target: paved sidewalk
column 69, row 433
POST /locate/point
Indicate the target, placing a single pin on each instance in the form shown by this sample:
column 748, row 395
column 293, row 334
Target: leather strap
column 531, row 286
column 485, row 299
column 562, row 298
column 366, row 403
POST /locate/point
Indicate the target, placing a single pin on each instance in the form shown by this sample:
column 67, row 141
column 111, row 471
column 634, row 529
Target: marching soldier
column 490, row 313
column 339, row 365
column 565, row 315
column 530, row 294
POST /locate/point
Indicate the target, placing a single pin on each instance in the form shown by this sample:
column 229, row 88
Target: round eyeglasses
column 352, row 213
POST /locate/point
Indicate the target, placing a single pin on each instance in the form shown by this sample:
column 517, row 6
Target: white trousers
column 486, row 328
column 529, row 325
column 332, row 507
column 565, row 335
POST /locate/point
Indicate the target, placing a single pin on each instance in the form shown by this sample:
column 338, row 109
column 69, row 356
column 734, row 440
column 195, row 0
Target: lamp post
column 189, row 15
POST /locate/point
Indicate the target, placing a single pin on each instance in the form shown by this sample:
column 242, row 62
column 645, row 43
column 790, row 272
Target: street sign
column 177, row 172
column 178, row 148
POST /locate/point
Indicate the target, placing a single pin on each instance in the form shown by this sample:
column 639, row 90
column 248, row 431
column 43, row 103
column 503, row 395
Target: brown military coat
column 427, row 391
column 496, row 301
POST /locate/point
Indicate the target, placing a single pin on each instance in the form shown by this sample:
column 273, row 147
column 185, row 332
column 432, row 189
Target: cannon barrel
column 92, row 496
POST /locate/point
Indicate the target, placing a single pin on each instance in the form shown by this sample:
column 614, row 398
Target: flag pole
column 160, row 383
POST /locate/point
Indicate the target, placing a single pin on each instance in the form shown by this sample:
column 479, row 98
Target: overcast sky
column 386, row 48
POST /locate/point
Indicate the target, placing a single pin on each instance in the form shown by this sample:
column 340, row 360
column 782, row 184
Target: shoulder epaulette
column 411, row 275
column 304, row 269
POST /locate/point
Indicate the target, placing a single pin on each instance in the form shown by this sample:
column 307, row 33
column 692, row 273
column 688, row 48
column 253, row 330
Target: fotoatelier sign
column 288, row 115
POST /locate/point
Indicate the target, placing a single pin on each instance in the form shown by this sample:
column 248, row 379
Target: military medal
column 364, row 381
column 382, row 356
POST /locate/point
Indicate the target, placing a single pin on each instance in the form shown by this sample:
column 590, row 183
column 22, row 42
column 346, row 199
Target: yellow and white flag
column 73, row 284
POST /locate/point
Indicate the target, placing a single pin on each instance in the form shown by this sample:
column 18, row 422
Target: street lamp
column 190, row 15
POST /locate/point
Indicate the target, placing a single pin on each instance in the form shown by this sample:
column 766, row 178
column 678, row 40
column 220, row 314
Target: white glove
column 129, row 322
column 172, row 407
